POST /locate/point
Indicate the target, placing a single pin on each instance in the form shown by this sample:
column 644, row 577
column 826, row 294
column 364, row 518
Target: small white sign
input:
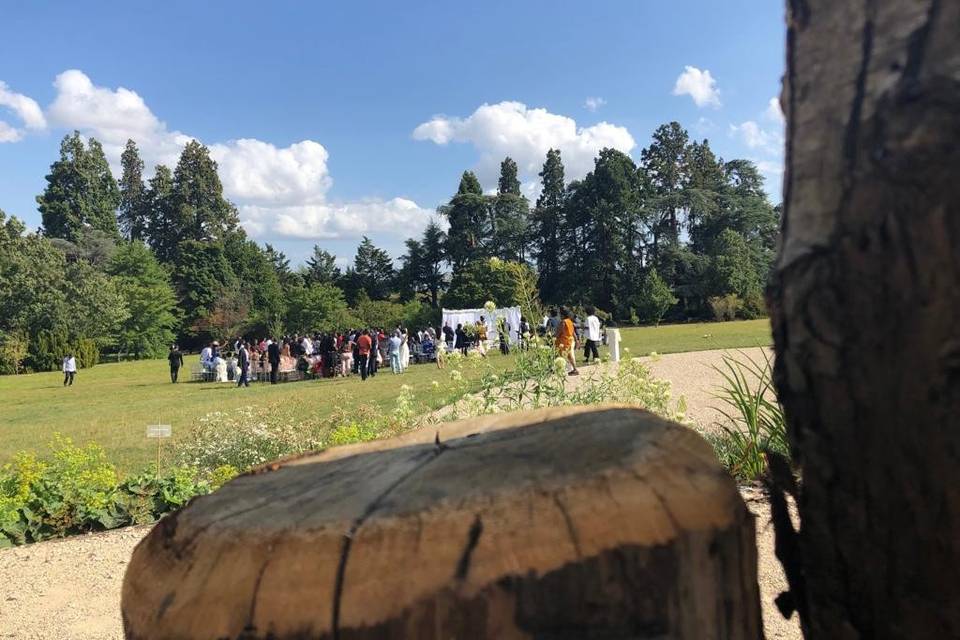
column 159, row 431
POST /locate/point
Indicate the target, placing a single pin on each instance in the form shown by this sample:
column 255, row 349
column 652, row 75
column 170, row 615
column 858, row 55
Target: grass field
column 111, row 404
column 701, row 336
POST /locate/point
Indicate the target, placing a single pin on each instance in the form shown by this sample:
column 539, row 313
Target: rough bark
column 551, row 524
column 865, row 306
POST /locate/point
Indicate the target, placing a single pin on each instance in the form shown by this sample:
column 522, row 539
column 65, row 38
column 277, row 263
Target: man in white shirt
column 593, row 335
column 69, row 369
column 206, row 357
column 307, row 345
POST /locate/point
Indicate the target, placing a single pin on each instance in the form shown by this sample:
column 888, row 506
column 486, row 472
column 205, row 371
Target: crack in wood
column 473, row 538
column 355, row 527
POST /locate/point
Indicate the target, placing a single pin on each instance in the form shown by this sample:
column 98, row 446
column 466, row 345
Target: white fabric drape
column 453, row 317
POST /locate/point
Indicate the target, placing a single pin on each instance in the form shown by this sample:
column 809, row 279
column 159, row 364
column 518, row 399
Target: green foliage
column 13, row 351
column 318, row 307
column 80, row 191
column 372, row 271
column 725, row 307
column 484, row 279
column 202, row 275
column 145, row 287
column 422, row 271
column 547, row 226
column 470, row 232
column 201, row 211
column 86, row 352
column 754, row 418
column 132, row 212
column 655, row 298
column 321, row 267
column 76, row 490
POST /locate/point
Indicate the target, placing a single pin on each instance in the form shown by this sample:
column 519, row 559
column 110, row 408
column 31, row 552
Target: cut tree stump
column 568, row 523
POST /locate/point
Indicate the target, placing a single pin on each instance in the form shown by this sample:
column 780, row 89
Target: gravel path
column 70, row 589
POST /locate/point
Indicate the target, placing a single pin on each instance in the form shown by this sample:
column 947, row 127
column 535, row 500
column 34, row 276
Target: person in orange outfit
column 566, row 340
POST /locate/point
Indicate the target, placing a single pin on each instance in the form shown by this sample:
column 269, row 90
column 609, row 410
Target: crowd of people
column 364, row 352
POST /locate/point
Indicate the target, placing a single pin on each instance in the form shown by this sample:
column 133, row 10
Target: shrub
column 725, row 307
column 87, row 353
column 754, row 418
column 77, row 491
column 13, row 351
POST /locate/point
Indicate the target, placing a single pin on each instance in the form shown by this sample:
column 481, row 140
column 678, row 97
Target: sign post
column 159, row 432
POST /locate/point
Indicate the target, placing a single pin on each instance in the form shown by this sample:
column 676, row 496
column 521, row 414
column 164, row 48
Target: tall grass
column 753, row 417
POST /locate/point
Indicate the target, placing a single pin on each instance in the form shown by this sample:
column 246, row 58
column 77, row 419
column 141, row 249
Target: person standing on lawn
column 243, row 358
column 175, row 357
column 273, row 355
column 364, row 347
column 69, row 370
column 372, row 356
column 593, row 336
column 566, row 340
column 394, row 351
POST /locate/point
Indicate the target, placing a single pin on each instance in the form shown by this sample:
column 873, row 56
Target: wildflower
column 435, row 384
column 495, row 262
column 626, row 349
column 559, row 364
column 456, row 375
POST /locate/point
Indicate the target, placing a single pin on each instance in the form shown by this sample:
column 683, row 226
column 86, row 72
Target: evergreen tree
column 321, row 267
column 281, row 266
column 508, row 183
column 201, row 275
column 510, row 216
column 422, row 270
column 198, row 198
column 655, row 298
column 132, row 214
column 145, row 287
column 256, row 279
column 547, row 220
column 664, row 162
column 470, row 230
column 162, row 223
column 373, row 270
column 80, row 193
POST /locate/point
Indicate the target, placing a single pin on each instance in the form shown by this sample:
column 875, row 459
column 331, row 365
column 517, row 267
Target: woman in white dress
column 404, row 351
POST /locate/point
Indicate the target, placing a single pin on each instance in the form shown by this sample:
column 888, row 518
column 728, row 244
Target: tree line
column 130, row 265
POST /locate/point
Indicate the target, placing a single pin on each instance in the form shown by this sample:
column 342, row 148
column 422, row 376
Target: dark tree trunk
column 866, row 314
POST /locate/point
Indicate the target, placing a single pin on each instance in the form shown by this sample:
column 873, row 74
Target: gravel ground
column 70, row 589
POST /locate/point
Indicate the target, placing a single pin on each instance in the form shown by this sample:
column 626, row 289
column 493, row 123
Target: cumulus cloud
column 755, row 136
column 279, row 191
column 24, row 108
column 593, row 103
column 397, row 216
column 699, row 85
column 525, row 134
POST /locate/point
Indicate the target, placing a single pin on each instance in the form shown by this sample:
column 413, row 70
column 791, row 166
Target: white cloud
column 398, row 216
column 279, row 191
column 699, row 85
column 593, row 103
column 754, row 136
column 525, row 134
column 25, row 108
column 774, row 113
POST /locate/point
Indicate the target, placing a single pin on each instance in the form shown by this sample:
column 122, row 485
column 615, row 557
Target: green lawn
column 111, row 404
column 700, row 336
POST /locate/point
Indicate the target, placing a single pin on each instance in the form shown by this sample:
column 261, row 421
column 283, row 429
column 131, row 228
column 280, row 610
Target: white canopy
column 453, row 317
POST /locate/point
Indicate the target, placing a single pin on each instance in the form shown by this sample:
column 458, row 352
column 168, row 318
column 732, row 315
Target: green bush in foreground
column 754, row 418
column 78, row 491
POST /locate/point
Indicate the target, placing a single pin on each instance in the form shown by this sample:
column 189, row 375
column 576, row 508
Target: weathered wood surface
column 866, row 314
column 559, row 523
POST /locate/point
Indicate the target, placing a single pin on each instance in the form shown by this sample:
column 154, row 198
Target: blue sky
column 331, row 120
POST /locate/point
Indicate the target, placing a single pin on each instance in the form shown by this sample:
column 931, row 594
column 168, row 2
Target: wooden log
column 559, row 523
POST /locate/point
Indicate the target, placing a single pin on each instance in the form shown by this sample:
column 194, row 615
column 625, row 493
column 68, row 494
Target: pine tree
column 665, row 162
column 321, row 267
column 422, row 270
column 547, row 217
column 162, row 221
column 470, row 230
column 81, row 193
column 132, row 214
column 373, row 270
column 510, row 216
column 198, row 197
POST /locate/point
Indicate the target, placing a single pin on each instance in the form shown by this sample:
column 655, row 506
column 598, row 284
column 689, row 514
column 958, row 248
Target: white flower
column 489, row 305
